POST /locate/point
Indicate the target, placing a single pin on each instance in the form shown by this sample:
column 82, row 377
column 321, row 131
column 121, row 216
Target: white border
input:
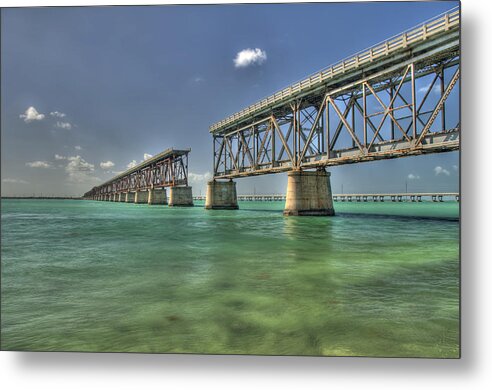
column 123, row 371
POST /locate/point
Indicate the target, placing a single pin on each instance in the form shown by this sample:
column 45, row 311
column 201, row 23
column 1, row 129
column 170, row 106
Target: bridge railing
column 432, row 27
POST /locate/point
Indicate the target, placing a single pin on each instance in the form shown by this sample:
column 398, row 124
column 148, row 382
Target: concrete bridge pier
column 141, row 197
column 130, row 197
column 157, row 196
column 309, row 193
column 120, row 197
column 180, row 196
column 221, row 195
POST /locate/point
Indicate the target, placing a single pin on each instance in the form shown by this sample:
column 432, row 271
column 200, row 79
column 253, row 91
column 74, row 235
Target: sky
column 88, row 91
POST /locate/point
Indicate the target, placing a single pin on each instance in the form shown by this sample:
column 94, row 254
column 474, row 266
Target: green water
column 100, row 276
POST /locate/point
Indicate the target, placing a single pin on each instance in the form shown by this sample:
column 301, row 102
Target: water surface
column 377, row 279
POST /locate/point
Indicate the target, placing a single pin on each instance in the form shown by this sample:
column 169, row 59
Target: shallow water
column 96, row 276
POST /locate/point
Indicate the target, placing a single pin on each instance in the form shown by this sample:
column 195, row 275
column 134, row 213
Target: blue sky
column 112, row 84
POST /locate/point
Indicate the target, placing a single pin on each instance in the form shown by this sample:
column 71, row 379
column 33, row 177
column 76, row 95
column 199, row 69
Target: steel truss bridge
column 167, row 169
column 398, row 98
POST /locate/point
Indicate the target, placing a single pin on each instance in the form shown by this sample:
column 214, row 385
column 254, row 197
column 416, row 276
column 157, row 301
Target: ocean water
column 378, row 279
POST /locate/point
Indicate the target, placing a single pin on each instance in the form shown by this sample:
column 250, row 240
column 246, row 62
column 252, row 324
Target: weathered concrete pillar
column 120, row 197
column 157, row 196
column 106, row 197
column 130, row 197
column 309, row 193
column 221, row 195
column 114, row 197
column 141, row 197
column 180, row 196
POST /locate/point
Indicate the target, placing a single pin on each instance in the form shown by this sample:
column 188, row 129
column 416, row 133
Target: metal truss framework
column 167, row 169
column 378, row 115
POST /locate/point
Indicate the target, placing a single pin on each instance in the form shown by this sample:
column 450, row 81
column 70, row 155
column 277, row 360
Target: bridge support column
column 221, row 195
column 309, row 193
column 180, row 196
column 141, row 197
column 130, row 197
column 120, row 197
column 157, row 196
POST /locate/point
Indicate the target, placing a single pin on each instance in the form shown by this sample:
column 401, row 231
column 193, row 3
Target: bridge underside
column 445, row 141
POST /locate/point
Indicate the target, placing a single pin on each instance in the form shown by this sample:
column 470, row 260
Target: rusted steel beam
column 166, row 169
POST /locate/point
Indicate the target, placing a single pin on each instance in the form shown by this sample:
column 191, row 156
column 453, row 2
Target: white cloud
column 31, row 115
column 80, row 170
column 106, row 164
column 455, row 167
column 441, row 171
column 147, row 156
column 64, row 125
column 249, row 57
column 199, row 181
column 58, row 114
column 58, row 157
column 198, row 79
column 39, row 164
column 411, row 176
column 199, row 176
column 132, row 164
column 77, row 147
column 14, row 181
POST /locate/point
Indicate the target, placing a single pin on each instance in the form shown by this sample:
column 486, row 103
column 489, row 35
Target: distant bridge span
column 366, row 107
column 147, row 181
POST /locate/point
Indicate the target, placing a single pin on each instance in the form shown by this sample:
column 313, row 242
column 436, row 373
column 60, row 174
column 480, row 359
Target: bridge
column 393, row 197
column 147, row 182
column 366, row 107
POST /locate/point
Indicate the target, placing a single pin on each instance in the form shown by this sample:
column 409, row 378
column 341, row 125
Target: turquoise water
column 100, row 276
